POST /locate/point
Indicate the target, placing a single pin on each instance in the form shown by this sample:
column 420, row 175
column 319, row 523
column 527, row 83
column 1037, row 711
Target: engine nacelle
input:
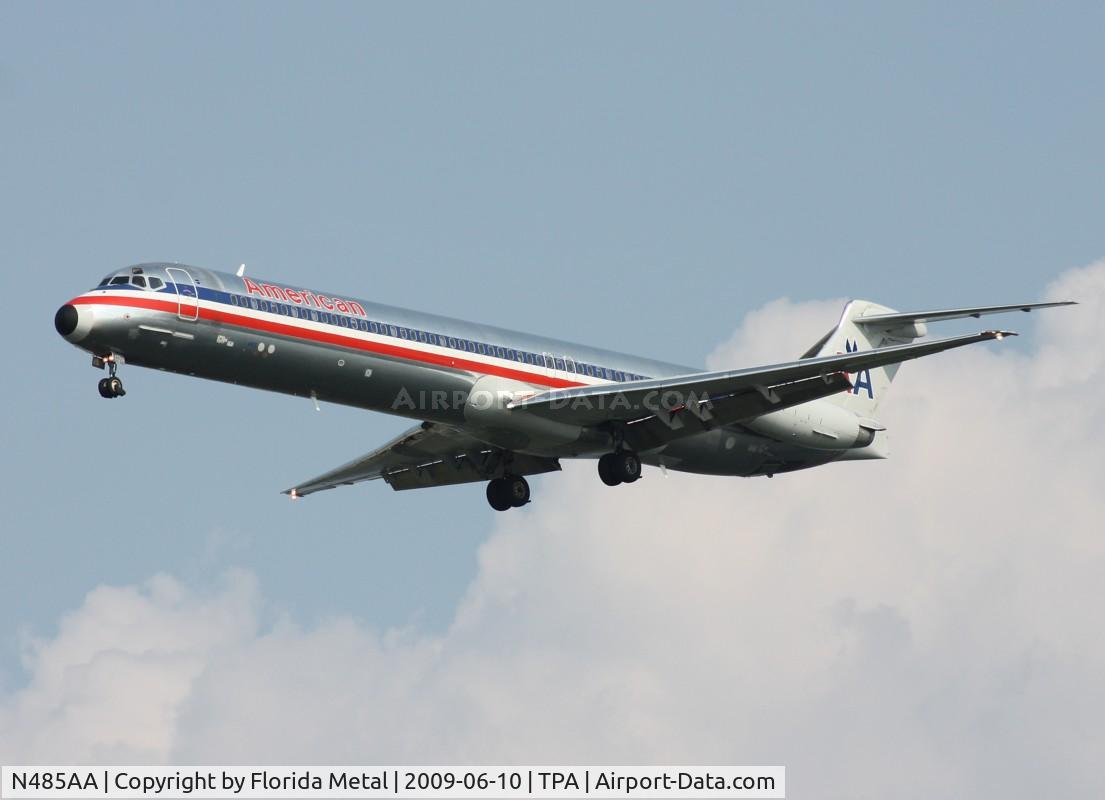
column 487, row 412
column 818, row 425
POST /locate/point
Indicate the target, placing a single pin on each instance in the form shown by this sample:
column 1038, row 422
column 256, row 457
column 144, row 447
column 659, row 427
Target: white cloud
column 917, row 627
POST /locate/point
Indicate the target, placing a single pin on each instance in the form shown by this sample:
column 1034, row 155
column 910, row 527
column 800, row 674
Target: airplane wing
column 633, row 400
column 677, row 420
column 904, row 318
column 427, row 455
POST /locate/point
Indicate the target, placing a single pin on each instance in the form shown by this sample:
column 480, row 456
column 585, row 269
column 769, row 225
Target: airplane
column 497, row 405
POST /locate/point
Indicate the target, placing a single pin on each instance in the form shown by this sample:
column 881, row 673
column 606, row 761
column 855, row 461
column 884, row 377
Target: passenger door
column 188, row 308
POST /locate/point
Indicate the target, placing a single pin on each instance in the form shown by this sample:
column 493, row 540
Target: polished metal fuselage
column 339, row 349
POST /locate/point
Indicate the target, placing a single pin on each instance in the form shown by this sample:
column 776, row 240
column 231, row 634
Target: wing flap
column 694, row 418
column 429, row 455
column 466, row 468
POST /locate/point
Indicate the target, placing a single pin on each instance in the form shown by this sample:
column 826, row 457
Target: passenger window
column 156, row 283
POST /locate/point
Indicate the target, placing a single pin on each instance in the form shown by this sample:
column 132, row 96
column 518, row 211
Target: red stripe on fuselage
column 325, row 337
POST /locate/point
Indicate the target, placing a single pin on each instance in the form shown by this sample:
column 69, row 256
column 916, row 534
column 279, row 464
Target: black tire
column 498, row 496
column 606, row 470
column 627, row 466
column 517, row 489
column 116, row 387
column 105, row 388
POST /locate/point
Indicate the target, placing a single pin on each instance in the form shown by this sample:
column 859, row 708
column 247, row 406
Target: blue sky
column 633, row 175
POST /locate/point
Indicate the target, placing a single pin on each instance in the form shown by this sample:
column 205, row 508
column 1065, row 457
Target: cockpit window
column 120, row 280
column 105, row 281
column 156, row 283
column 138, row 280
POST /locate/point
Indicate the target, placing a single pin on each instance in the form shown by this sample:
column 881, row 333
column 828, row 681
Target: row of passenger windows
column 134, row 280
column 542, row 360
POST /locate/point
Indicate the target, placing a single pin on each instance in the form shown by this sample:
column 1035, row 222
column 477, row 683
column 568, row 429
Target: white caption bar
column 429, row 783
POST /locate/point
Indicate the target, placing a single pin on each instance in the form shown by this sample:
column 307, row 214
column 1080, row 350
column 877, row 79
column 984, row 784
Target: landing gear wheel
column 606, row 470
column 517, row 489
column 110, row 386
column 498, row 494
column 625, row 466
column 509, row 492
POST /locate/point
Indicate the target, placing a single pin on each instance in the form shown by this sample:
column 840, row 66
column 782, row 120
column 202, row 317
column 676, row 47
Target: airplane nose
column 65, row 321
column 73, row 322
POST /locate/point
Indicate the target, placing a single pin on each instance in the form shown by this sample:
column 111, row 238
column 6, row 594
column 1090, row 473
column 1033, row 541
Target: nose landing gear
column 110, row 386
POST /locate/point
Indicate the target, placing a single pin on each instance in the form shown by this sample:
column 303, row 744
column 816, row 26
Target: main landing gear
column 623, row 466
column 510, row 491
column 110, row 386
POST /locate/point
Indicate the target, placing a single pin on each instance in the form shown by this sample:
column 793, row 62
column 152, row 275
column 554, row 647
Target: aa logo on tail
column 863, row 378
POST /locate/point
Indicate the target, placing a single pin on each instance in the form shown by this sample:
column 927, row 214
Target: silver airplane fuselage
column 340, row 349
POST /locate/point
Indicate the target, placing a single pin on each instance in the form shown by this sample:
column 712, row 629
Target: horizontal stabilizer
column 907, row 317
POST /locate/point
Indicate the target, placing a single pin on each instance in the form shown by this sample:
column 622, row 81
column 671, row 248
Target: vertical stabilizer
column 869, row 387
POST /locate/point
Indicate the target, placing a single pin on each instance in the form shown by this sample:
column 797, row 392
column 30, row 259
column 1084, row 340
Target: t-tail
column 865, row 325
column 870, row 386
